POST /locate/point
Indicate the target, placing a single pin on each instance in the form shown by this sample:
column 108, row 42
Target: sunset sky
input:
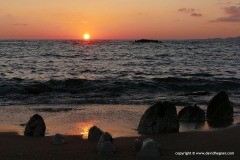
column 115, row 19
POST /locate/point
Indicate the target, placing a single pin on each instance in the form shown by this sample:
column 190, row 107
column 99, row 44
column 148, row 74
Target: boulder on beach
column 105, row 144
column 159, row 118
column 94, row 133
column 58, row 139
column 149, row 149
column 191, row 114
column 220, row 107
column 35, row 126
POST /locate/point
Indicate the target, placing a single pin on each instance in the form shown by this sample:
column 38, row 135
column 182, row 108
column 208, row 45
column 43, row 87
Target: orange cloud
column 233, row 15
column 20, row 24
column 190, row 11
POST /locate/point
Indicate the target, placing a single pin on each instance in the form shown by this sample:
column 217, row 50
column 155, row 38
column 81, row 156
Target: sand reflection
column 83, row 127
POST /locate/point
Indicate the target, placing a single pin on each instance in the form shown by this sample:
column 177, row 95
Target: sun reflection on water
column 83, row 127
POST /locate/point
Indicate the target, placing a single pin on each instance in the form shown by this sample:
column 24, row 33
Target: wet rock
column 58, row 139
column 35, row 126
column 220, row 107
column 105, row 144
column 137, row 145
column 149, row 149
column 159, row 118
column 191, row 114
column 94, row 133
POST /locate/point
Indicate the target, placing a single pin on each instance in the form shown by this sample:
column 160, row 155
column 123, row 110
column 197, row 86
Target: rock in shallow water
column 35, row 126
column 159, row 118
column 220, row 107
column 149, row 149
column 191, row 114
column 94, row 133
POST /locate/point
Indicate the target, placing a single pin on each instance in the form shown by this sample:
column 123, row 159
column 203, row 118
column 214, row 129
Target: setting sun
column 86, row 36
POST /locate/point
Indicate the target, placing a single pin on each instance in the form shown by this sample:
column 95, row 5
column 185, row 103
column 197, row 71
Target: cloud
column 233, row 11
column 232, row 14
column 196, row 14
column 190, row 11
column 186, row 10
column 20, row 24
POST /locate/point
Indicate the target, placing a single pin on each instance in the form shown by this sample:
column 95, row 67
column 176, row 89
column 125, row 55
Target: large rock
column 35, row 126
column 105, row 144
column 94, row 133
column 220, row 107
column 159, row 118
column 191, row 114
column 149, row 149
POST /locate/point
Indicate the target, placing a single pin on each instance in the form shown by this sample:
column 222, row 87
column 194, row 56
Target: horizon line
column 130, row 39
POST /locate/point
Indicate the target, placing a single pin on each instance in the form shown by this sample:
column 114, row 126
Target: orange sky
column 108, row 19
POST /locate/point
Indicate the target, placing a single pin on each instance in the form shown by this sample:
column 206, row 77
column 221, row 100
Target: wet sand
column 16, row 147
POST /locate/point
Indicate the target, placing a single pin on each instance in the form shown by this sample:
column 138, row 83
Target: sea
column 185, row 72
column 75, row 84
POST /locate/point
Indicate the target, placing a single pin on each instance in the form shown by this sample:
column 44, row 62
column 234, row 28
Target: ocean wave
column 111, row 90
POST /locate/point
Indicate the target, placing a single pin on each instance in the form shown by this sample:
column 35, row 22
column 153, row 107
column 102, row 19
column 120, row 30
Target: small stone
column 105, row 144
column 94, row 133
column 137, row 145
column 58, row 139
column 106, row 137
column 106, row 148
column 149, row 149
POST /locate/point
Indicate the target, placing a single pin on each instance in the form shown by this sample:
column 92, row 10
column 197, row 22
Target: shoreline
column 14, row 146
column 77, row 119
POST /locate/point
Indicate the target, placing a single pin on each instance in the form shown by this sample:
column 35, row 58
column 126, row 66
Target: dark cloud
column 190, row 11
column 196, row 14
column 20, row 24
column 233, row 15
column 233, row 11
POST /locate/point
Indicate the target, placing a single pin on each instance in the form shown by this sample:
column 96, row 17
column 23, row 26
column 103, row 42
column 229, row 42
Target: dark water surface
column 118, row 72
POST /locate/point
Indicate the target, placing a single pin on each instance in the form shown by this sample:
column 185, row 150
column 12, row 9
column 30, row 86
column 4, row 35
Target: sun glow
column 86, row 36
column 85, row 126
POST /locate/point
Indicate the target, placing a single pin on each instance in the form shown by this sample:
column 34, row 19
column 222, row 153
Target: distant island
column 228, row 38
column 147, row 41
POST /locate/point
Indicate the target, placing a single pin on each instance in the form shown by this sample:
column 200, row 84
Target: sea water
column 118, row 72
column 74, row 83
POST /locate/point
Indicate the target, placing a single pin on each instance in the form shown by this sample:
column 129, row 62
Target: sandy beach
column 73, row 121
column 13, row 146
column 155, row 79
